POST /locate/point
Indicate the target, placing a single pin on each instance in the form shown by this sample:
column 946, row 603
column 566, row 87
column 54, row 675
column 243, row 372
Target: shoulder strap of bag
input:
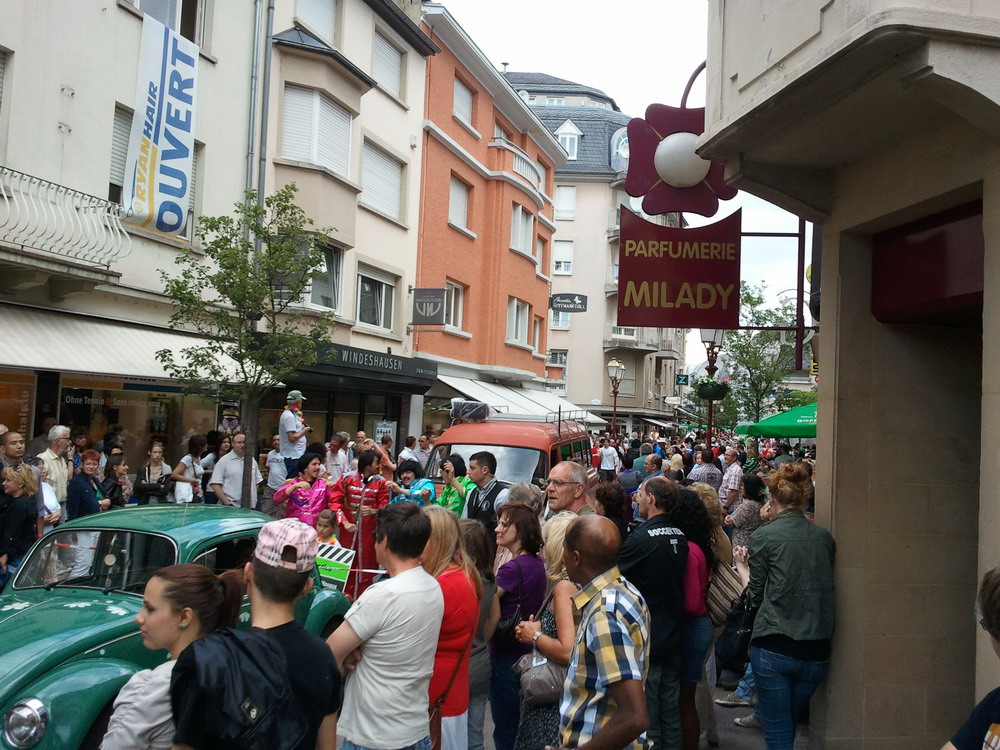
column 461, row 657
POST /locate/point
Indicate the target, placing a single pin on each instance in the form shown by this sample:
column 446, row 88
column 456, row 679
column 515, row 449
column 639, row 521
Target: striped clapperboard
column 334, row 563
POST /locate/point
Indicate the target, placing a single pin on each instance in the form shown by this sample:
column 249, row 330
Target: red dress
column 461, row 617
column 347, row 496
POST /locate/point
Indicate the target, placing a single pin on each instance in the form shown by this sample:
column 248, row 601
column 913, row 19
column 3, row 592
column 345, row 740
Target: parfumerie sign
column 679, row 278
column 158, row 187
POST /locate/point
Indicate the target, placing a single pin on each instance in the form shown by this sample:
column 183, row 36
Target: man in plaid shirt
column 603, row 706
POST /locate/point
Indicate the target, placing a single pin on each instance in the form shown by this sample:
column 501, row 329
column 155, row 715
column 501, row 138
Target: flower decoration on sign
column 663, row 168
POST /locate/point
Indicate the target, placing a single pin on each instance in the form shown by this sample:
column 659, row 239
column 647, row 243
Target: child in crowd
column 326, row 527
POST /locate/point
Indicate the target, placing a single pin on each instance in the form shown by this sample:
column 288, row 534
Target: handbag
column 434, row 712
column 504, row 633
column 732, row 647
column 723, row 590
column 541, row 679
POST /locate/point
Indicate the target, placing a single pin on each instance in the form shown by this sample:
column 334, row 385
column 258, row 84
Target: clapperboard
column 334, row 563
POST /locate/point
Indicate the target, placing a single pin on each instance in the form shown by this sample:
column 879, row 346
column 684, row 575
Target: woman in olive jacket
column 791, row 581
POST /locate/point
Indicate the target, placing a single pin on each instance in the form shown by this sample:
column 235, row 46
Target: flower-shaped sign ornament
column 663, row 168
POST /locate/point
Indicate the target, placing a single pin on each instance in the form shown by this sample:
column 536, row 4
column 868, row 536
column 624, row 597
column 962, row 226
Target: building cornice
column 399, row 22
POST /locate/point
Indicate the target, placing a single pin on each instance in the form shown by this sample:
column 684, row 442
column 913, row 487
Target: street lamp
column 712, row 339
column 616, row 371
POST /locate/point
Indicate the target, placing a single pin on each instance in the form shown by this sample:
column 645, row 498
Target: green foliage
column 757, row 361
column 790, row 399
column 239, row 292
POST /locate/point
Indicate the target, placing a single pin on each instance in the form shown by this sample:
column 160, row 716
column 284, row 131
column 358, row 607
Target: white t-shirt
column 229, row 473
column 337, row 464
column 275, row 470
column 609, row 458
column 385, row 703
column 291, row 423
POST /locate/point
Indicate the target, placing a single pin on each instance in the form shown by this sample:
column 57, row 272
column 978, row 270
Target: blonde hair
column 445, row 547
column 553, row 534
column 24, row 476
column 676, row 462
column 710, row 499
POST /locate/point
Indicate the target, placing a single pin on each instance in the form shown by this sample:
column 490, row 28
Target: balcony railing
column 53, row 219
column 630, row 337
column 623, row 332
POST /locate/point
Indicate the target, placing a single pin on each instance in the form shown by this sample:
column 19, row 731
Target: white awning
column 44, row 340
column 520, row 401
column 658, row 423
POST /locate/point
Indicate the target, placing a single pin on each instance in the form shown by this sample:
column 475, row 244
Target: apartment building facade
column 588, row 194
column 877, row 120
column 486, row 233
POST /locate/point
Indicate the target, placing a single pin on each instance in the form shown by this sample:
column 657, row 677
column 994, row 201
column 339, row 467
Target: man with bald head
column 567, row 488
column 732, row 480
column 603, row 699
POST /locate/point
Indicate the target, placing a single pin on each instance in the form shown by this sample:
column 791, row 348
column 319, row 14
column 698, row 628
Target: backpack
column 242, row 683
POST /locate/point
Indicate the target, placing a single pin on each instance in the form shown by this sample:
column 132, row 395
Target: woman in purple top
column 520, row 584
column 305, row 496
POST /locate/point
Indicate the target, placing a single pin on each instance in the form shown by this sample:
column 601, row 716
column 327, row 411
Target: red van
column 525, row 450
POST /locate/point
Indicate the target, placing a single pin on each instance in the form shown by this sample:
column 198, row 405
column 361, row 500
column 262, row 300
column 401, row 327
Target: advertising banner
column 571, row 303
column 158, row 186
column 429, row 307
column 679, row 278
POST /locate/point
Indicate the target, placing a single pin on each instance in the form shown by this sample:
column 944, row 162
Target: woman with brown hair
column 444, row 558
column 181, row 603
column 520, row 588
column 789, row 568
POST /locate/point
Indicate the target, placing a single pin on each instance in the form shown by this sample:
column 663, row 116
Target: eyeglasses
column 559, row 482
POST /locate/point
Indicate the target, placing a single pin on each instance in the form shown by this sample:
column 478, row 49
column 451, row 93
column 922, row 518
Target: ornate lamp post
column 712, row 339
column 616, row 371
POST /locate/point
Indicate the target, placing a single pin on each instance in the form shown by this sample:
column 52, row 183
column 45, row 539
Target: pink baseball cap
column 276, row 536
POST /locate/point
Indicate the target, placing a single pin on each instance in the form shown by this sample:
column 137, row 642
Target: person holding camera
column 292, row 432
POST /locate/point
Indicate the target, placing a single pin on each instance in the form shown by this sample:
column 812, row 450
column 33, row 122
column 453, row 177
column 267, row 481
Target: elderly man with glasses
column 566, row 489
column 57, row 468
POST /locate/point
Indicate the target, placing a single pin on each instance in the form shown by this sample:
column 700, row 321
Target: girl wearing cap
column 181, row 603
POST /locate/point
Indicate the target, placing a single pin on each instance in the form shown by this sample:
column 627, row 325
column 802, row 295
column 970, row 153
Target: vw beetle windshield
column 107, row 559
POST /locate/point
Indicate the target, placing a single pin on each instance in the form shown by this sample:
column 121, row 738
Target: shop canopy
column 798, row 422
column 520, row 401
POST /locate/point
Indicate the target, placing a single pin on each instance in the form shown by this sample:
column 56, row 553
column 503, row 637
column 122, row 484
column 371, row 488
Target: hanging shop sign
column 570, row 303
column 158, row 180
column 429, row 307
column 679, row 278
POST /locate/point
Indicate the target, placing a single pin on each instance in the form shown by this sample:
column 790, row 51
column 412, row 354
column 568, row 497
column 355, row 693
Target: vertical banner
column 679, row 278
column 161, row 146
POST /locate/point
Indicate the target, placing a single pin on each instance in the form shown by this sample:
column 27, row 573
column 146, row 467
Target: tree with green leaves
column 240, row 292
column 758, row 361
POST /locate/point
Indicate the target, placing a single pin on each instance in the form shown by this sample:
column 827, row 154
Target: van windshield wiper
column 69, row 581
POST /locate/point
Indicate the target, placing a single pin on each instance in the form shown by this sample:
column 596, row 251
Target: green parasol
column 797, row 422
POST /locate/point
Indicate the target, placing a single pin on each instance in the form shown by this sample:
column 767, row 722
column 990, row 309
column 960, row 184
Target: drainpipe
column 254, row 83
column 265, row 103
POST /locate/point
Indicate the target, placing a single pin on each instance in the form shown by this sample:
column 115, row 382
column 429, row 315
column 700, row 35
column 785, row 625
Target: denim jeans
column 424, row 744
column 505, row 702
column 747, row 686
column 663, row 690
column 784, row 687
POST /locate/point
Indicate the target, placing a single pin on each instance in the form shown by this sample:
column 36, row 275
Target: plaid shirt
column 612, row 645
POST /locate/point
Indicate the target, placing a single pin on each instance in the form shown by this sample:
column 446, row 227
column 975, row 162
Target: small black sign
column 568, row 303
column 682, row 380
column 428, row 307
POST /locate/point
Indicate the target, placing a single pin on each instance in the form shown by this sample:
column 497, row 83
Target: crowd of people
column 463, row 588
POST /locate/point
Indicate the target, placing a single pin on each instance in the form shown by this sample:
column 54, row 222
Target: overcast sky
column 638, row 52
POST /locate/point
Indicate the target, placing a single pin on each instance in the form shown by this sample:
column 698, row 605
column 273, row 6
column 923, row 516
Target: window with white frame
column 555, row 101
column 522, row 229
column 559, row 321
column 463, row 103
column 562, row 257
column 627, row 385
column 559, row 358
column 543, row 176
column 565, row 203
column 454, row 303
column 326, row 279
column 540, row 251
column 120, row 131
column 183, row 16
column 387, row 65
column 458, row 204
column 569, row 138
column 518, row 320
column 376, row 298
column 499, row 133
column 197, row 153
column 536, row 333
column 316, row 130
column 320, row 17
column 381, row 182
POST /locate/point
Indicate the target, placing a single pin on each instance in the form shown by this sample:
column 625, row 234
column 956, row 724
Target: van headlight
column 24, row 724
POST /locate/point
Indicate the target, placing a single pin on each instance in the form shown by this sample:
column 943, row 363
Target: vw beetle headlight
column 24, row 724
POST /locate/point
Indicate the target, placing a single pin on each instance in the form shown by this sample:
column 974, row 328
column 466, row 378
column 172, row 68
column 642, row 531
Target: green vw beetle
column 68, row 640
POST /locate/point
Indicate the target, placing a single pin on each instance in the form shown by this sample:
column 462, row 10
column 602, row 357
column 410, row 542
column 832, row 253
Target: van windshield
column 513, row 464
